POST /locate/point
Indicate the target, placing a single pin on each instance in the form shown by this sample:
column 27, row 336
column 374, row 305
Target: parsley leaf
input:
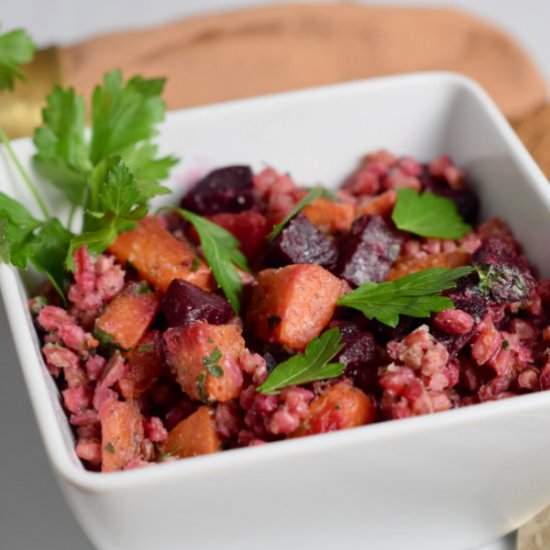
column 222, row 252
column 149, row 169
column 16, row 48
column 313, row 364
column 313, row 194
column 111, row 177
column 116, row 204
column 124, row 114
column 50, row 249
column 119, row 192
column 416, row 295
column 24, row 239
column 211, row 363
column 62, row 152
column 17, row 231
column 428, row 215
column 124, row 118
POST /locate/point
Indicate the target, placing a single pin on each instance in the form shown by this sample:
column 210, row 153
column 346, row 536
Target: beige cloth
column 245, row 53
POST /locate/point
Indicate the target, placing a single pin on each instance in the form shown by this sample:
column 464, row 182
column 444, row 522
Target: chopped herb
column 146, row 348
column 142, row 287
column 428, row 215
column 313, row 364
column 337, row 406
column 105, row 339
column 200, row 385
column 313, row 194
column 168, row 454
column 416, row 295
column 211, row 363
column 505, row 344
column 110, row 448
column 504, row 283
column 195, row 264
column 37, row 303
column 273, row 321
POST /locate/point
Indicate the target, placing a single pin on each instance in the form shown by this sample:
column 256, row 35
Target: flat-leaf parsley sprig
column 109, row 175
column 222, row 252
column 428, row 215
column 416, row 295
column 314, row 364
column 312, row 195
column 16, row 48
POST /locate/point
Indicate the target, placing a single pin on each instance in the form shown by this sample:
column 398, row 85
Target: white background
column 33, row 514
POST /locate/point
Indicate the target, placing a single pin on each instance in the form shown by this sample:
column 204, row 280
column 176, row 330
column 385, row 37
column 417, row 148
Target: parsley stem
column 24, row 174
column 71, row 217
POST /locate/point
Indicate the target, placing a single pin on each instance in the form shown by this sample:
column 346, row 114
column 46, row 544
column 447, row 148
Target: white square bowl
column 451, row 480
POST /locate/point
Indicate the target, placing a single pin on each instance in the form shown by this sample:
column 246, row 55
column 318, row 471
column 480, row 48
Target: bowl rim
column 71, row 471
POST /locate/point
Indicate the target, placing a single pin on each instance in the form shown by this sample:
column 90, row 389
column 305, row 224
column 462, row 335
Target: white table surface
column 33, row 514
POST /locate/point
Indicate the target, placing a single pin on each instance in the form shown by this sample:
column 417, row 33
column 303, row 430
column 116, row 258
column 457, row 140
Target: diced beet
column 250, row 227
column 359, row 352
column 301, row 242
column 226, row 189
column 465, row 200
column 368, row 251
column 469, row 298
column 360, row 355
column 384, row 333
column 270, row 361
column 185, row 303
column 504, row 275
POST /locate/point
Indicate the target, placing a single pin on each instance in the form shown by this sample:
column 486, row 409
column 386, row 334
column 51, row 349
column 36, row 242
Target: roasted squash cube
column 121, row 434
column 159, row 257
column 291, row 306
column 126, row 319
column 204, row 359
column 196, row 435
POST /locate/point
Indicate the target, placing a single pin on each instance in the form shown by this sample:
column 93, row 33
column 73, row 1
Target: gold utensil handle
column 20, row 108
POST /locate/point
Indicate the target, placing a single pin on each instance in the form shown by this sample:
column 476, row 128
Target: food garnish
column 428, row 215
column 415, row 295
column 313, row 364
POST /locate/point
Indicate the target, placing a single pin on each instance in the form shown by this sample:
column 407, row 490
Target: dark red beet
column 270, row 361
column 465, row 200
column 469, row 298
column 250, row 227
column 368, row 251
column 504, row 275
column 227, row 189
column 185, row 303
column 302, row 243
column 360, row 354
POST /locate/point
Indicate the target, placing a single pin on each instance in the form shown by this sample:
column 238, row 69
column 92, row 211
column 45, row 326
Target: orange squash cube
column 290, row 306
column 126, row 319
column 342, row 406
column 194, row 436
column 330, row 216
column 121, row 434
column 204, row 359
column 159, row 257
